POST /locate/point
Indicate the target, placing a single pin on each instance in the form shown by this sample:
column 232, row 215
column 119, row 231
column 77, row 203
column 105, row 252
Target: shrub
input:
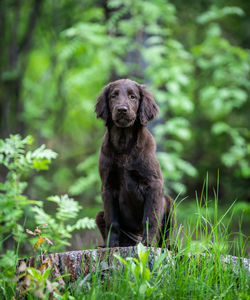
column 16, row 208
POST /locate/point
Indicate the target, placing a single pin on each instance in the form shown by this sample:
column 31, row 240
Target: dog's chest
column 131, row 195
column 129, row 178
column 121, row 161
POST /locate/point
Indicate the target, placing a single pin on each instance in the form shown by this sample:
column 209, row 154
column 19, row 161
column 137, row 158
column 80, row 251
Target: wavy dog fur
column 135, row 208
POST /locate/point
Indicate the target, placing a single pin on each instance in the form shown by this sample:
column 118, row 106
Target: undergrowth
column 195, row 270
column 198, row 270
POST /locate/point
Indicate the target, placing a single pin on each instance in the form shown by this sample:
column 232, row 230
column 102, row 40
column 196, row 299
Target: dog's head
column 123, row 102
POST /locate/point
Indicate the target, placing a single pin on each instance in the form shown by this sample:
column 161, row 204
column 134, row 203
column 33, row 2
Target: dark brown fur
column 132, row 184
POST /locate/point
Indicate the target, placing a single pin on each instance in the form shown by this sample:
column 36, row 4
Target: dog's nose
column 122, row 109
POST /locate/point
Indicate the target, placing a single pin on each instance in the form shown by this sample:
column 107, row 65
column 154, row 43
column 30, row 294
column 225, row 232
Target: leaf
column 121, row 259
column 41, row 164
column 62, row 276
column 158, row 261
column 41, row 216
column 147, row 274
column 150, row 290
column 143, row 254
column 46, row 273
column 35, row 273
column 43, row 153
column 39, row 242
column 55, row 199
column 67, row 208
column 42, row 226
column 186, row 167
column 29, row 140
column 218, row 13
column 48, row 241
column 143, row 288
column 137, row 271
column 30, row 232
column 85, row 223
column 220, row 127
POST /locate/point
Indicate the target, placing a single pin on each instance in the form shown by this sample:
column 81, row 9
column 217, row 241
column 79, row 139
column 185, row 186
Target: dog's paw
column 113, row 243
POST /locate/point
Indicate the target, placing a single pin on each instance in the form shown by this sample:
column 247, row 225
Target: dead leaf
column 30, row 232
column 39, row 242
column 42, row 226
column 38, row 230
column 48, row 241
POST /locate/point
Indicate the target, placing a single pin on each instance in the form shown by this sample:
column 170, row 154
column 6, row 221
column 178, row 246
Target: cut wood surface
column 83, row 262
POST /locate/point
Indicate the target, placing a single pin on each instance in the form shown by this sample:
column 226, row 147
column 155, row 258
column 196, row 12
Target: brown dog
column 135, row 208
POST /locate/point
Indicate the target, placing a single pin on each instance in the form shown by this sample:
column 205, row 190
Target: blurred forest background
column 55, row 58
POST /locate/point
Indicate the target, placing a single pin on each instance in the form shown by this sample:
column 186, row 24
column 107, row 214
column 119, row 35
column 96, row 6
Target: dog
column 135, row 208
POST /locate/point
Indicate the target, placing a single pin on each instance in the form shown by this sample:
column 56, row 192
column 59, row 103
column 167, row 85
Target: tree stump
column 76, row 263
column 83, row 262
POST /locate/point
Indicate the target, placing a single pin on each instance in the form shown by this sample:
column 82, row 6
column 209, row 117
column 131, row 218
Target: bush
column 16, row 209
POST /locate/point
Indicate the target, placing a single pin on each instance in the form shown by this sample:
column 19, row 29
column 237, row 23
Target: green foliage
column 16, row 208
column 204, row 86
column 224, row 91
column 13, row 202
column 199, row 87
column 216, row 13
column 140, row 282
column 59, row 225
column 36, row 284
column 90, row 183
column 14, row 205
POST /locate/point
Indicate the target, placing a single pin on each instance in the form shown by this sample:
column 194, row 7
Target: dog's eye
column 113, row 96
column 132, row 96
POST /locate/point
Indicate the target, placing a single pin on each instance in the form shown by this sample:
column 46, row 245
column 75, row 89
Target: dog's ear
column 101, row 108
column 148, row 108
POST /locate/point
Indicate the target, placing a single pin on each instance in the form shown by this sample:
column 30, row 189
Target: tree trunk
column 13, row 61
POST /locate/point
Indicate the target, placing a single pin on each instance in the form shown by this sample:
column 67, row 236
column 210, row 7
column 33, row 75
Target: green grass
column 203, row 275
column 182, row 278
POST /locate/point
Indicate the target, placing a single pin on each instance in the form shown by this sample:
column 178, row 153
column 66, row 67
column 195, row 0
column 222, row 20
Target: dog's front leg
column 152, row 213
column 111, row 216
